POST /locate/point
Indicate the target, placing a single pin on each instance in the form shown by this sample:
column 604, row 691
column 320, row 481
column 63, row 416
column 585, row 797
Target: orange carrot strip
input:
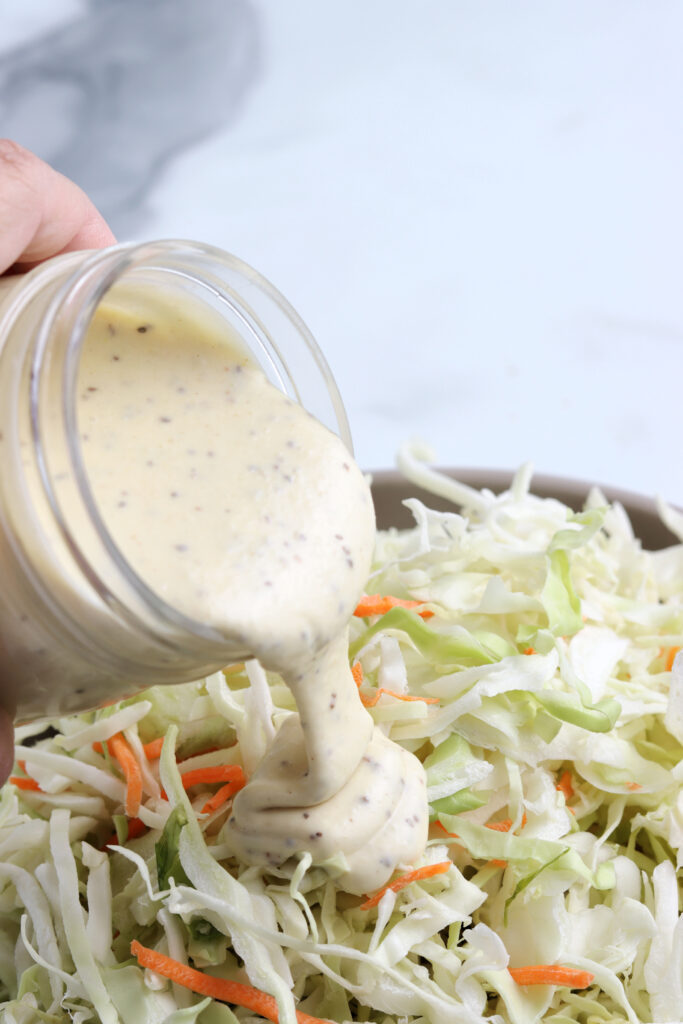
column 496, row 826
column 633, row 786
column 495, row 863
column 564, row 785
column 428, row 871
column 529, row 650
column 506, row 824
column 551, row 974
column 223, row 794
column 119, row 748
column 670, row 658
column 376, row 604
column 213, row 773
column 369, row 702
column 218, row 988
column 25, row 783
column 357, row 673
column 153, row 748
column 500, row 826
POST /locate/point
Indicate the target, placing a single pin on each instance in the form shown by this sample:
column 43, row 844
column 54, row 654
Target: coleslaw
column 544, row 696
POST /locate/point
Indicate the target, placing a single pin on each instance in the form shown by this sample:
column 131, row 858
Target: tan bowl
column 389, row 489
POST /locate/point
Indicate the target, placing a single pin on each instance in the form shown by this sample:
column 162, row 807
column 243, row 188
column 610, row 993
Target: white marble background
column 476, row 206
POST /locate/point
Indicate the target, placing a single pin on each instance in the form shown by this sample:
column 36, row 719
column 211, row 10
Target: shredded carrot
column 551, row 974
column 136, row 828
column 505, row 825
column 670, row 658
column 500, row 826
column 428, row 871
column 213, row 773
column 529, row 650
column 120, row 749
column 376, row 604
column 564, row 785
column 218, row 988
column 25, row 783
column 153, row 748
column 633, row 786
column 369, row 702
column 496, row 826
column 224, row 794
column 495, row 863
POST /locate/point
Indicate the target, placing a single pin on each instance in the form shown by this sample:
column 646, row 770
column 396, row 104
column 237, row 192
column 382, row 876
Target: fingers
column 42, row 213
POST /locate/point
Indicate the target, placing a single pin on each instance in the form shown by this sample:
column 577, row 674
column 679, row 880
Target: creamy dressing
column 241, row 511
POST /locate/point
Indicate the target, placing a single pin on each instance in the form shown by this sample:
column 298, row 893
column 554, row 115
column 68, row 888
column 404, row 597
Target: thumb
column 42, row 213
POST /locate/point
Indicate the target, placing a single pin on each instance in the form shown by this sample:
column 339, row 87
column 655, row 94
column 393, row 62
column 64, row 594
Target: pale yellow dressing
column 243, row 512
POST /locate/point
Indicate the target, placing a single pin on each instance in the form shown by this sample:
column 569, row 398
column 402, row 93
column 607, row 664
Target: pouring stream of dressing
column 240, row 510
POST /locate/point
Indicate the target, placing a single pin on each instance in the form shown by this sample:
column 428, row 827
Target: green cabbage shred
column 559, row 714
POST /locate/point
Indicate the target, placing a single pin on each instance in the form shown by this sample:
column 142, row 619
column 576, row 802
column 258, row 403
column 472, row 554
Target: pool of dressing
column 239, row 509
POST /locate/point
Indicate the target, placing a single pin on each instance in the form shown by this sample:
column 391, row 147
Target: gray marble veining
column 477, row 214
column 114, row 94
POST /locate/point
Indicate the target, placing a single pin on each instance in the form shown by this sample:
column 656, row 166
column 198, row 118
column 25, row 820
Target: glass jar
column 78, row 627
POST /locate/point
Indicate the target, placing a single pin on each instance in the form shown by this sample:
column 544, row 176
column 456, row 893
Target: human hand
column 42, row 214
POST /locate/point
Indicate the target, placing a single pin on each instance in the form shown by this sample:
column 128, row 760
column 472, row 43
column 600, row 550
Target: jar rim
column 88, row 284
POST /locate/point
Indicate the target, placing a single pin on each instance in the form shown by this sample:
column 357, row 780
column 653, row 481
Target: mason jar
column 78, row 626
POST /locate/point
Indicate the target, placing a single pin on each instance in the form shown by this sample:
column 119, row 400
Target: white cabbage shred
column 555, row 711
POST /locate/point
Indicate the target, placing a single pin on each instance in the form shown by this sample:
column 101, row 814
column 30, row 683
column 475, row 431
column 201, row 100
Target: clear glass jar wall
column 78, row 626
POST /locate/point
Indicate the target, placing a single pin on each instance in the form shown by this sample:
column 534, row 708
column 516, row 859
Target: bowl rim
column 390, row 488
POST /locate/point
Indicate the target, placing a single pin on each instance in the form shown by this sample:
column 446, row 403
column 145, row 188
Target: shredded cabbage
column 559, row 717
